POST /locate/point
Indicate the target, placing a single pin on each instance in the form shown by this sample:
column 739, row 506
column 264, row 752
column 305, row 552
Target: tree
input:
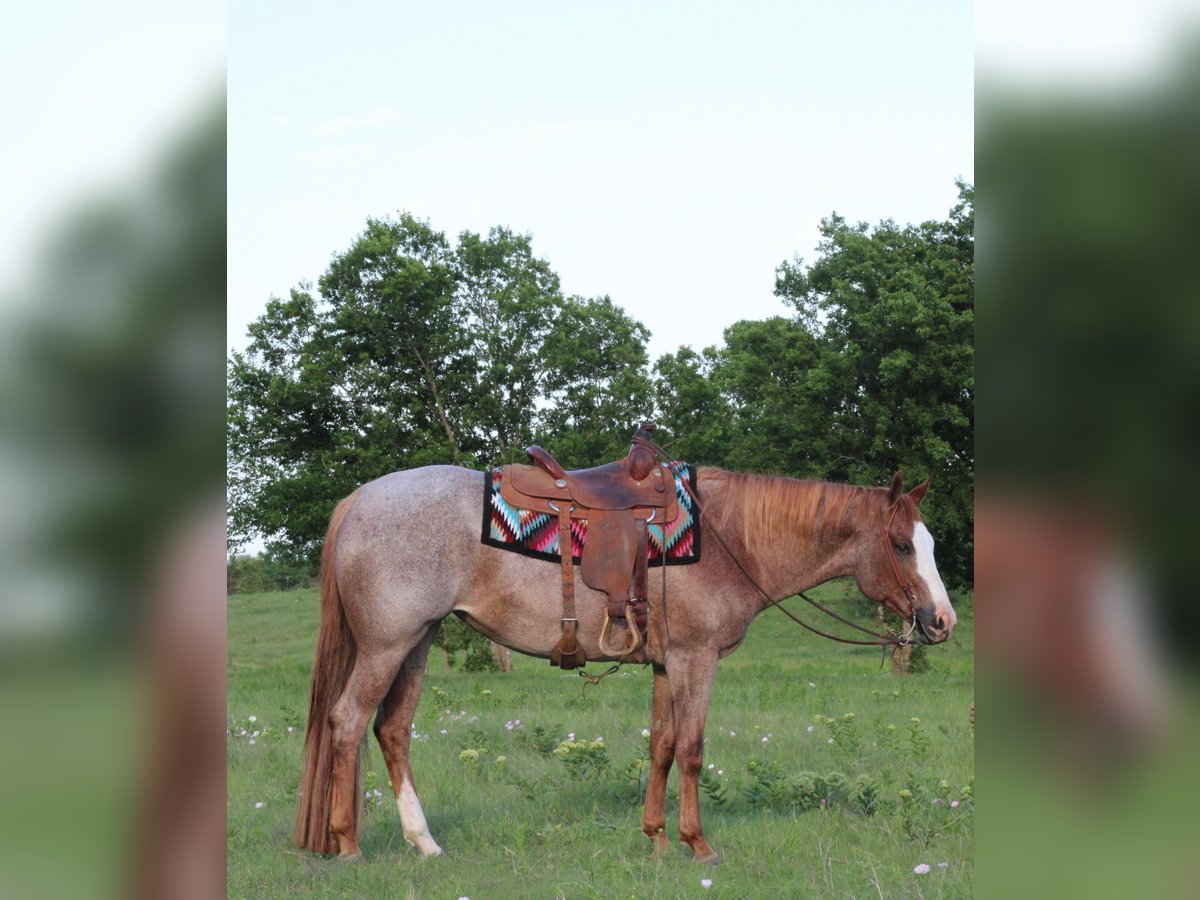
column 892, row 310
column 411, row 353
column 775, row 373
column 694, row 415
column 596, row 383
column 510, row 298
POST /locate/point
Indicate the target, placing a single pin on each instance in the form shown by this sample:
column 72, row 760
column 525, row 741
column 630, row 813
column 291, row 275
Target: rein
column 881, row 640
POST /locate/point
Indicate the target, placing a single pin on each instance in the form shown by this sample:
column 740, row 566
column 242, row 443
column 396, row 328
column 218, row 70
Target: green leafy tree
column 393, row 341
column 596, row 384
column 892, row 309
column 694, row 415
column 412, row 352
column 510, row 299
column 289, row 436
column 775, row 373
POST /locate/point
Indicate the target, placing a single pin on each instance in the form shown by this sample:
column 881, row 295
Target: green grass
column 528, row 828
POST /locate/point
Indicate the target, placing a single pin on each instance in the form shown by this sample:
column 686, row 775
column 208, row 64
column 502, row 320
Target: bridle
column 891, row 639
column 901, row 578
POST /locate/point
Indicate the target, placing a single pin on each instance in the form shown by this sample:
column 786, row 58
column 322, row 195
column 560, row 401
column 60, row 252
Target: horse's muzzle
column 932, row 628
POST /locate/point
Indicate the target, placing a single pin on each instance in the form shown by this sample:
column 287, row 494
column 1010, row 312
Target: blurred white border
column 92, row 92
column 1078, row 44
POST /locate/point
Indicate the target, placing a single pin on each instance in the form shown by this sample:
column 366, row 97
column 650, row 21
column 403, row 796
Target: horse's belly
column 502, row 633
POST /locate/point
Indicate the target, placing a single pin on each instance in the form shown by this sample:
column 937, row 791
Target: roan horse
column 403, row 552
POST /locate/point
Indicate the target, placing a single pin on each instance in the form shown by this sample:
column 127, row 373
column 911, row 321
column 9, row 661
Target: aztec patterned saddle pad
column 536, row 534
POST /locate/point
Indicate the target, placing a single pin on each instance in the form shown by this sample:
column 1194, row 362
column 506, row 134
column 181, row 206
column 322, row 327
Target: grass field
column 799, row 800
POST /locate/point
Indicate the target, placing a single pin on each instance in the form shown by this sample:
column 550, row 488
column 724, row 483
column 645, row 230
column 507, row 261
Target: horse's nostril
column 941, row 623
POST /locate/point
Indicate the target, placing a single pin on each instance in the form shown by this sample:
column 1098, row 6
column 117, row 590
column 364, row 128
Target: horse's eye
column 902, row 547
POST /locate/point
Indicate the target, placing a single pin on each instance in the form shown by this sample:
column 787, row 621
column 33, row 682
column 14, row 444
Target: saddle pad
column 535, row 534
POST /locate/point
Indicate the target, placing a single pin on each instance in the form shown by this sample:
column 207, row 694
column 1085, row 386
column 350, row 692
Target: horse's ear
column 896, row 489
column 918, row 493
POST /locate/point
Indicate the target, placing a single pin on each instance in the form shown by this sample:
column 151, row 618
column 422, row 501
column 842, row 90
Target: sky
column 668, row 155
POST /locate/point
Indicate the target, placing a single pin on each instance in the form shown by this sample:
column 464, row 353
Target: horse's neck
column 792, row 563
column 784, row 560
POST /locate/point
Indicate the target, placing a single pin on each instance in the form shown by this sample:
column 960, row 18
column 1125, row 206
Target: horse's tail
column 331, row 670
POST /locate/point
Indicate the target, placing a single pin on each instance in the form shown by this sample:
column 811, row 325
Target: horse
column 403, row 552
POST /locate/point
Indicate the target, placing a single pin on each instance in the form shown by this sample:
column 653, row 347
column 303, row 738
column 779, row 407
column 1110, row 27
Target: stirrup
column 568, row 655
column 632, row 643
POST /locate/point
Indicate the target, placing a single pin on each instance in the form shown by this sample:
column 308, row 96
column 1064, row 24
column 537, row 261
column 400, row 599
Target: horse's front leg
column 662, row 754
column 690, row 681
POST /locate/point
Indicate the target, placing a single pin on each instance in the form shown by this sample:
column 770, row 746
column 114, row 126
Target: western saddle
column 618, row 500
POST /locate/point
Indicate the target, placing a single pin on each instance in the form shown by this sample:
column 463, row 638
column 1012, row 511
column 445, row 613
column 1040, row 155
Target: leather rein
column 891, row 639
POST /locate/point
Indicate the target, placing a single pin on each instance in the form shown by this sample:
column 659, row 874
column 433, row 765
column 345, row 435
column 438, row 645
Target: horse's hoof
column 707, row 859
column 352, row 858
column 659, row 845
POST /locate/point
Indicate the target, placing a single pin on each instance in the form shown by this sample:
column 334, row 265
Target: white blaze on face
column 412, row 818
column 1135, row 684
column 923, row 545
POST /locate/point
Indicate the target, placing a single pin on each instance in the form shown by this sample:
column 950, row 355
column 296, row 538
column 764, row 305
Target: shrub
column 455, row 636
column 584, row 759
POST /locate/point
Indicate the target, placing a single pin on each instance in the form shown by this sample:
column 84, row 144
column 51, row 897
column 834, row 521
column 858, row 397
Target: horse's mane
column 771, row 503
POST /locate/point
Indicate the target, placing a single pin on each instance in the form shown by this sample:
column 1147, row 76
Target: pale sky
column 670, row 155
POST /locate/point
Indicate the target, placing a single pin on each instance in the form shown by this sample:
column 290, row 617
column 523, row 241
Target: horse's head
column 895, row 564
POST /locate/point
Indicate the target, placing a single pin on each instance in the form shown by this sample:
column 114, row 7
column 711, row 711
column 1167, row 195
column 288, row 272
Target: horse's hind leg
column 369, row 681
column 393, row 729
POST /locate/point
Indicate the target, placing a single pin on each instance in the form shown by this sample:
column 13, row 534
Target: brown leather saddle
column 619, row 500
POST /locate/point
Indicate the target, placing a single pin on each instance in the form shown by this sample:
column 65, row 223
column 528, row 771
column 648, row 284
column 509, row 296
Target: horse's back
column 426, row 486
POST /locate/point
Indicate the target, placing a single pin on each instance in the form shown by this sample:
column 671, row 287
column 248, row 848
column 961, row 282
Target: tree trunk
column 900, row 655
column 501, row 657
column 437, row 402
